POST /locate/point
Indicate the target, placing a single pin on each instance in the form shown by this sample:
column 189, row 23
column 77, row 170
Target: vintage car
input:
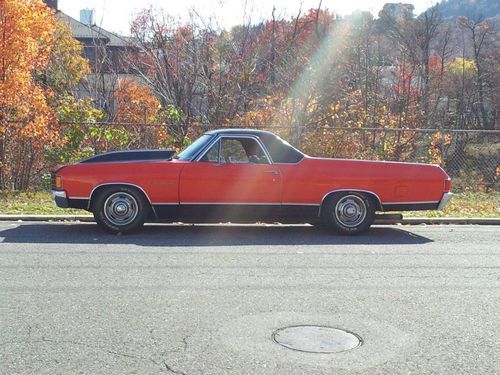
column 242, row 175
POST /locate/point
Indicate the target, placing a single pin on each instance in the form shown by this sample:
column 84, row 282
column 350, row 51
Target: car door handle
column 218, row 165
column 273, row 172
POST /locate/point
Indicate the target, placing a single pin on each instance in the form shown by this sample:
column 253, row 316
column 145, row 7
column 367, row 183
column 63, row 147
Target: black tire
column 348, row 212
column 120, row 209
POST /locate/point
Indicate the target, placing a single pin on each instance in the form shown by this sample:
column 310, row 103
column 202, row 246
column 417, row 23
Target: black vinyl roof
column 255, row 132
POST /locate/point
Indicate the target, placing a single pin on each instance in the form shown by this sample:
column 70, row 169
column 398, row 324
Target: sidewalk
column 404, row 221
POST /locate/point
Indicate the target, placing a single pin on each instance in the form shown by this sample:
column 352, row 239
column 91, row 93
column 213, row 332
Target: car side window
column 233, row 151
column 212, row 155
column 242, row 150
column 236, row 150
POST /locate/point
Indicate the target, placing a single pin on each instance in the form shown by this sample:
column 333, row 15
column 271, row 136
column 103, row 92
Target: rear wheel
column 348, row 212
column 120, row 209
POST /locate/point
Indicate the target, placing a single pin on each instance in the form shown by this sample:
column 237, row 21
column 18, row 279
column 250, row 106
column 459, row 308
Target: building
column 106, row 52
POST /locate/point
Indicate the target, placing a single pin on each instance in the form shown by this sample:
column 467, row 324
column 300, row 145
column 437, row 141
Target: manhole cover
column 316, row 339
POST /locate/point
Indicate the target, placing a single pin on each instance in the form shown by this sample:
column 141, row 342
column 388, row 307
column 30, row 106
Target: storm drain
column 316, row 339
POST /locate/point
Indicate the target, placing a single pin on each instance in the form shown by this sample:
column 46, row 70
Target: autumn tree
column 26, row 122
column 167, row 59
column 67, row 66
column 106, row 65
column 39, row 65
column 479, row 32
column 415, row 39
column 135, row 103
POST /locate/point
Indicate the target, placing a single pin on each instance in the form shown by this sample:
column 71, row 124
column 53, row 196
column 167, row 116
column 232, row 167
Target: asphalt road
column 207, row 299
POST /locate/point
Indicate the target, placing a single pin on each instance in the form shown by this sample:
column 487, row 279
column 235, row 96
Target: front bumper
column 444, row 200
column 60, row 198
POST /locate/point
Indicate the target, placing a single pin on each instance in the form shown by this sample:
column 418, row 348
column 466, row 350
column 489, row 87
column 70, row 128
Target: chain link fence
column 470, row 157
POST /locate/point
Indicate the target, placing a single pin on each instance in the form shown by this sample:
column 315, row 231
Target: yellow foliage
column 67, row 64
column 462, row 66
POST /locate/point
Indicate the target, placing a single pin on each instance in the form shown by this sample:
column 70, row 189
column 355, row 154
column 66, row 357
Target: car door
column 235, row 173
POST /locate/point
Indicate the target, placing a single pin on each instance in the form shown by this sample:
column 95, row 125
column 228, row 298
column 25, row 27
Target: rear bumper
column 444, row 200
column 60, row 198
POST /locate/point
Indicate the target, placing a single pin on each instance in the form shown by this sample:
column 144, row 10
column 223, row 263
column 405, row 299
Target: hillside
column 451, row 9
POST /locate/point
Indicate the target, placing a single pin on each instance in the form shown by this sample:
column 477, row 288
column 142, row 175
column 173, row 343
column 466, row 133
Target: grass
column 486, row 205
column 462, row 205
column 32, row 203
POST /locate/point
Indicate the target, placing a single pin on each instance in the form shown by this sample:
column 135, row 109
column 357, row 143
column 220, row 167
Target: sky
column 115, row 15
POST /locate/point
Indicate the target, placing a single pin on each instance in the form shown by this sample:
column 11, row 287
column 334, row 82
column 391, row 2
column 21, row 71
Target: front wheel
column 348, row 213
column 120, row 209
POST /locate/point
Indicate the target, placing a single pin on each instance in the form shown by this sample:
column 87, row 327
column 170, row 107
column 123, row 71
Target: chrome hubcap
column 121, row 208
column 350, row 211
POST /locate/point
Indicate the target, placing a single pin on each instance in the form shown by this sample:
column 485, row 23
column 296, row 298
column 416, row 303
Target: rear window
column 280, row 150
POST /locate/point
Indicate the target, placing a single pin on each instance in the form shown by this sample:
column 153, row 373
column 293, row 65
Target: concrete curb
column 85, row 218
column 404, row 221
column 441, row 221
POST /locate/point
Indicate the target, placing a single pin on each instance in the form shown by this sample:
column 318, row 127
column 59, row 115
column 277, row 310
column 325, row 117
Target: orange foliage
column 435, row 63
column 25, row 42
column 135, row 103
column 136, row 106
column 40, row 65
column 26, row 121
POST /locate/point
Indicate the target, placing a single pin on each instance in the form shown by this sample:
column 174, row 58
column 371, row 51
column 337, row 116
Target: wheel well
column 375, row 199
column 99, row 189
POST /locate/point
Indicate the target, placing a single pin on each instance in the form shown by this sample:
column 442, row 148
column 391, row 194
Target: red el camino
column 237, row 175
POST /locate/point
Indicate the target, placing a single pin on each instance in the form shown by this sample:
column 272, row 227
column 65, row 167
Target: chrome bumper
column 444, row 200
column 60, row 198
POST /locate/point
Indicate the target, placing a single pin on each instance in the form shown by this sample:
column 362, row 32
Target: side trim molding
column 412, row 202
column 244, row 203
column 232, row 203
column 417, row 206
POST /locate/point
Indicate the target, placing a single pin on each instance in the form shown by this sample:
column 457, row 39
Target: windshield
column 192, row 150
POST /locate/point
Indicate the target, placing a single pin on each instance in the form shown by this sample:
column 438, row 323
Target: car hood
column 131, row 156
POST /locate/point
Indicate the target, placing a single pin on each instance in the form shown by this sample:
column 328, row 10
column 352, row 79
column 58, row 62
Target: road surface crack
column 184, row 341
column 170, row 369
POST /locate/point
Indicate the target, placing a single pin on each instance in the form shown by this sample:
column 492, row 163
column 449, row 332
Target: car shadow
column 204, row 235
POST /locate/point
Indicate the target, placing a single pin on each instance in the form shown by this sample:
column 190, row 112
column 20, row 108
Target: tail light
column 447, row 185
